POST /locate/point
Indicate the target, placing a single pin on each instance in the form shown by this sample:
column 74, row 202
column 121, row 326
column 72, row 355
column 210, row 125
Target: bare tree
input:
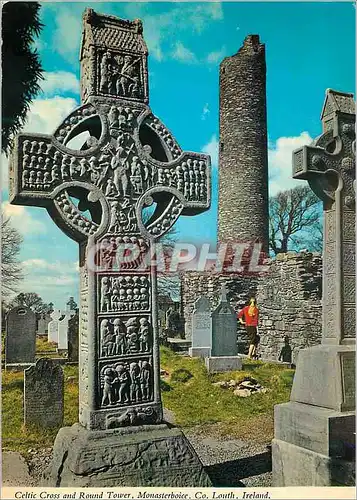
column 295, row 220
column 11, row 271
column 168, row 283
column 32, row 300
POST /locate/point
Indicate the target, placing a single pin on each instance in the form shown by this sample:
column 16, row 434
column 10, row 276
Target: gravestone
column 53, row 326
column 224, row 338
column 71, row 305
column 130, row 161
column 224, row 328
column 42, row 325
column 201, row 328
column 315, row 432
column 62, row 344
column 20, row 343
column 43, row 394
column 73, row 338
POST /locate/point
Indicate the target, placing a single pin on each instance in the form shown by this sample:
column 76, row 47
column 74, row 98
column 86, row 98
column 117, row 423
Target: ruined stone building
column 289, row 292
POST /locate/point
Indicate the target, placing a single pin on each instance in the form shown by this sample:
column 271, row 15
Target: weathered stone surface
column 288, row 296
column 202, row 323
column 42, row 325
column 325, row 374
column 195, row 283
column 221, row 364
column 20, row 343
column 243, row 150
column 224, row 328
column 43, row 394
column 53, row 326
column 297, row 466
column 313, row 383
column 63, row 325
column 318, row 429
column 137, row 456
column 73, row 338
column 129, row 162
column 199, row 352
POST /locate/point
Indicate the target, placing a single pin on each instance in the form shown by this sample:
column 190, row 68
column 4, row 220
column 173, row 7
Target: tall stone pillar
column 243, row 157
column 314, row 441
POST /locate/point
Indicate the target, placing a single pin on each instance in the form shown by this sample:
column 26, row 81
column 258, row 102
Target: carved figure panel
column 121, row 336
column 120, row 74
column 126, row 382
column 121, row 293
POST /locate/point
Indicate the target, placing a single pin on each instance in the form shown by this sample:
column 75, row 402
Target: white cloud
column 55, row 267
column 211, row 148
column 183, row 54
column 67, row 34
column 45, row 115
column 280, row 162
column 205, row 111
column 216, row 56
column 53, row 281
column 162, row 31
column 21, row 219
column 58, row 82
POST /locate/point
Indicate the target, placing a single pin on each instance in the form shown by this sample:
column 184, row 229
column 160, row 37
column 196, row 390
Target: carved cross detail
column 329, row 165
column 96, row 193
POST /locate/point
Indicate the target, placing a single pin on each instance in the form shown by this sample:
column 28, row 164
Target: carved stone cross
column 329, row 165
column 96, row 194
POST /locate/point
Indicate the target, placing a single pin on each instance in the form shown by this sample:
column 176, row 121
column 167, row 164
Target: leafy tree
column 295, row 220
column 11, row 271
column 21, row 66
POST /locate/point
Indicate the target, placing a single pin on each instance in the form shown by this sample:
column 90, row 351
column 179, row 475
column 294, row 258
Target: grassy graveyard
column 187, row 390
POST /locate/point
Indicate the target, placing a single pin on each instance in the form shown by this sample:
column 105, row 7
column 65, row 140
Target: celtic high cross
column 97, row 195
column 329, row 165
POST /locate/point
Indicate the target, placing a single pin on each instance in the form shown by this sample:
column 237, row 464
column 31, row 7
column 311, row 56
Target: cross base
column 296, row 466
column 314, row 435
column 148, row 455
column 325, row 377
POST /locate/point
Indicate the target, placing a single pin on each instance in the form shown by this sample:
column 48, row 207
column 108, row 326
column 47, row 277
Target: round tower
column 243, row 156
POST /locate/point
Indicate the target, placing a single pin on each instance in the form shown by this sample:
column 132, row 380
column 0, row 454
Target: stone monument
column 43, row 394
column 73, row 338
column 20, row 342
column 53, row 326
column 129, row 161
column 224, row 338
column 201, row 328
column 315, row 432
column 63, row 325
column 243, row 147
column 42, row 324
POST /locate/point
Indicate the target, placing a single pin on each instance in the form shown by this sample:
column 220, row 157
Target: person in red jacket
column 249, row 317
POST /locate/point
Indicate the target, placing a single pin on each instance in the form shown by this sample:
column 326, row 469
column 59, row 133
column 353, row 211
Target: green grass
column 187, row 391
column 197, row 402
column 15, row 436
column 42, row 345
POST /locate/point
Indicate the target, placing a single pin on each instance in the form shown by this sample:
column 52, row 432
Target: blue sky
column 309, row 47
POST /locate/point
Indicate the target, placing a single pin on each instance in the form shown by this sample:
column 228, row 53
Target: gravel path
column 232, row 462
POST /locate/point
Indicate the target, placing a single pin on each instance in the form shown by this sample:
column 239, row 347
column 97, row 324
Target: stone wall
column 289, row 298
column 243, row 157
